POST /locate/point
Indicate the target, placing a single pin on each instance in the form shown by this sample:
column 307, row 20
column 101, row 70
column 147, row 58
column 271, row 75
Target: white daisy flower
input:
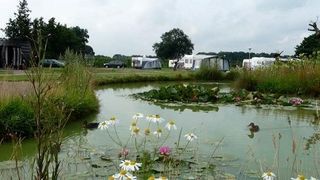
column 133, row 125
column 125, row 165
column 157, row 119
column 159, row 178
column 300, row 177
column 135, row 166
column 171, row 125
column 135, row 131
column 124, row 175
column 191, row 136
column 147, row 131
column 113, row 121
column 158, row 132
column 149, row 118
column 103, row 125
column 268, row 176
column 137, row 116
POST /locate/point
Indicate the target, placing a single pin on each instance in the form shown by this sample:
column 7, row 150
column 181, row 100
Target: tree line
column 59, row 37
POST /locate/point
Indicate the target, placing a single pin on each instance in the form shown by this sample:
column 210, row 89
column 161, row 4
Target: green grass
column 108, row 76
column 103, row 76
column 301, row 77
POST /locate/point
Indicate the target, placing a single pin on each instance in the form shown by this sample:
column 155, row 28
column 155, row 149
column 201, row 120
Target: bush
column 16, row 116
column 209, row 73
column 76, row 91
column 232, row 75
column 100, row 60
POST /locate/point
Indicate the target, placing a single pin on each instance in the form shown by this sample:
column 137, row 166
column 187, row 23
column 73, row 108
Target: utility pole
column 250, row 65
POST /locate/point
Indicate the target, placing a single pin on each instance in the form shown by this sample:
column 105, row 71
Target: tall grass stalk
column 300, row 77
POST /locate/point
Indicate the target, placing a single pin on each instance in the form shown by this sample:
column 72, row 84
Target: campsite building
column 14, row 53
column 196, row 61
column 143, row 62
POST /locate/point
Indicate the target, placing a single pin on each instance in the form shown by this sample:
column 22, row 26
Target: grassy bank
column 300, row 77
column 69, row 91
column 109, row 76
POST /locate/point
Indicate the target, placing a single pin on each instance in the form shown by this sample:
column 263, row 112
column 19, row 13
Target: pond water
column 278, row 146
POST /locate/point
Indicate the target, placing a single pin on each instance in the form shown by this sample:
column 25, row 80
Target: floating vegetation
column 201, row 97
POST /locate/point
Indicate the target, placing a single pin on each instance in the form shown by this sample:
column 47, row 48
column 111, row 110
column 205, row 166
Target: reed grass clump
column 209, row 73
column 299, row 77
column 16, row 116
column 76, row 90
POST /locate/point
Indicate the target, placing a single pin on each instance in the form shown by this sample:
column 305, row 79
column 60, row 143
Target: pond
column 223, row 129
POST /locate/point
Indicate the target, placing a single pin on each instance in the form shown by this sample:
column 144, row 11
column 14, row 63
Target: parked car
column 52, row 63
column 114, row 64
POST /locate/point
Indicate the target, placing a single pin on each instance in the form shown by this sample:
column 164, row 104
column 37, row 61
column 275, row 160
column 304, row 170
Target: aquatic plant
column 149, row 147
column 192, row 94
column 296, row 101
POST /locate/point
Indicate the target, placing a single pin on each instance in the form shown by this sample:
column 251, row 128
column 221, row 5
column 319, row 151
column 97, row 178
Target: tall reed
column 299, row 77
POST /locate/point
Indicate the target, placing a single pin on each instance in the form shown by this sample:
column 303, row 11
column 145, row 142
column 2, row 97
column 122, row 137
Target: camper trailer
column 143, row 62
column 257, row 62
column 196, row 61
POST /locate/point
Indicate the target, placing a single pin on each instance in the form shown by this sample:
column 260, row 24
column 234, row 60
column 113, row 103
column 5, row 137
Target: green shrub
column 16, row 116
column 209, row 73
column 76, row 91
column 232, row 75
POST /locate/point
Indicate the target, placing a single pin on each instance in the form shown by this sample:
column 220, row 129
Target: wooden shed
column 14, row 53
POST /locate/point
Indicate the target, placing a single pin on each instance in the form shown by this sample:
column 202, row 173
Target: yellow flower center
column 110, row 178
column 163, row 177
column 147, row 131
column 159, row 130
column 132, row 163
column 123, row 172
column 134, row 124
column 269, row 174
column 158, row 116
column 151, row 178
column 171, row 123
column 113, row 118
column 301, row 177
column 136, row 130
column 126, row 163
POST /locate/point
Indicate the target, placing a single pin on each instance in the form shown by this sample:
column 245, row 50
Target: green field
column 104, row 76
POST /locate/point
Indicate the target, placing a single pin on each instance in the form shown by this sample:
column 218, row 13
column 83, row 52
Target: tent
column 146, row 63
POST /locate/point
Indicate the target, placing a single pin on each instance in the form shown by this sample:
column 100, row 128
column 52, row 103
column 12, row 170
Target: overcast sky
column 133, row 26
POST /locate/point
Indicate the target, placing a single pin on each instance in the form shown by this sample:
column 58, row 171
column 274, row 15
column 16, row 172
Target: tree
column 20, row 27
column 89, row 50
column 310, row 44
column 174, row 45
column 60, row 37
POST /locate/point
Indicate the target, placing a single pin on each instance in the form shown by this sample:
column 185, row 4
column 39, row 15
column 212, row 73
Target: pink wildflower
column 295, row 101
column 124, row 152
column 237, row 99
column 165, row 150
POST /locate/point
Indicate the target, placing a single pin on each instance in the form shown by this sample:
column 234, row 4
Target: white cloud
column 133, row 26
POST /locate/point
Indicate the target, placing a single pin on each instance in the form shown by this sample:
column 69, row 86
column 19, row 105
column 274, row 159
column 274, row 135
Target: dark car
column 51, row 63
column 114, row 64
